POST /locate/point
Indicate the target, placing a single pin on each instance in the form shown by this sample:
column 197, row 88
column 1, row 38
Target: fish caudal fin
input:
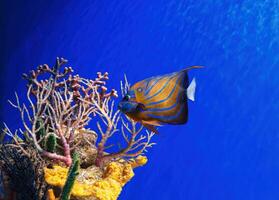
column 191, row 90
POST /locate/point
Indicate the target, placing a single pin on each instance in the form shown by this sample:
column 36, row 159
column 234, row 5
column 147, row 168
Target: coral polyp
column 71, row 160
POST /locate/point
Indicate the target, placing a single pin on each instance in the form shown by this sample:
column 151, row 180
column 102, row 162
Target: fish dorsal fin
column 191, row 90
column 193, row 67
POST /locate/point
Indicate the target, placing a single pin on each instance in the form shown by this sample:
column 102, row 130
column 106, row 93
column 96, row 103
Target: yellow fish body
column 160, row 100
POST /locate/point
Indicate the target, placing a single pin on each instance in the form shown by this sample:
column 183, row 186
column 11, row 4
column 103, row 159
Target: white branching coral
column 136, row 141
column 61, row 104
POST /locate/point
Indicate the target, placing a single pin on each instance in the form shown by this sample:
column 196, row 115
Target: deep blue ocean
column 229, row 149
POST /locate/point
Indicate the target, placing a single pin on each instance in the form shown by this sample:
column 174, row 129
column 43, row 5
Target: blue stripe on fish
column 158, row 102
column 167, row 118
column 163, row 109
column 132, row 94
column 153, row 84
column 147, row 84
column 159, row 91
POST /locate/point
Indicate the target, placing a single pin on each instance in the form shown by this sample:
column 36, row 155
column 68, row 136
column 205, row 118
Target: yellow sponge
column 115, row 176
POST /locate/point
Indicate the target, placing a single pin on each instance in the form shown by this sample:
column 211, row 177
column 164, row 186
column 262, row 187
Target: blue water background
column 229, row 150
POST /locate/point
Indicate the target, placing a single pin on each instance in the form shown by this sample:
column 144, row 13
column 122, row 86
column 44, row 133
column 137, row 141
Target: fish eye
column 139, row 89
column 126, row 97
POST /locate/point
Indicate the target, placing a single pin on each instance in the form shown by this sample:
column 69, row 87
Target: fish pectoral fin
column 141, row 106
column 152, row 122
column 151, row 128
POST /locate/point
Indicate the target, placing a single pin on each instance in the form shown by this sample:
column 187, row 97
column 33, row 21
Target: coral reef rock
column 94, row 183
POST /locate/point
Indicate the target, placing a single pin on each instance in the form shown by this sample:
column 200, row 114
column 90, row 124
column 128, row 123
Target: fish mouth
column 121, row 107
column 127, row 107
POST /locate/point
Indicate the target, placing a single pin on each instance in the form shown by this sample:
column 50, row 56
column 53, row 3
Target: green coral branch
column 51, row 143
column 72, row 174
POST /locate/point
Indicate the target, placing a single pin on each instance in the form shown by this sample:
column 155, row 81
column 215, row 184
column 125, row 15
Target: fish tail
column 191, row 90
